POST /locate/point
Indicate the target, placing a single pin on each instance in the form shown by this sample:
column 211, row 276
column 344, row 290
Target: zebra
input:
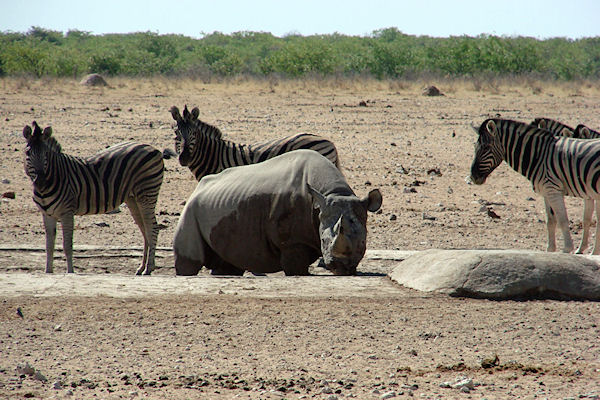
column 556, row 166
column 203, row 150
column 560, row 129
column 65, row 186
column 580, row 132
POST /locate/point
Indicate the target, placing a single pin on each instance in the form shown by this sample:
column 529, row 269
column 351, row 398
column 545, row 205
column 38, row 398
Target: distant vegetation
column 386, row 53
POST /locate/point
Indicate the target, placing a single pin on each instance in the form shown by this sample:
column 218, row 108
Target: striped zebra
column 203, row 150
column 560, row 129
column 65, row 186
column 580, row 132
column 556, row 167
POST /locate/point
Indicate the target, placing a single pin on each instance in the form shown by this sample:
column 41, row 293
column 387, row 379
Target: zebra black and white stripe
column 203, row 150
column 65, row 186
column 580, row 132
column 556, row 167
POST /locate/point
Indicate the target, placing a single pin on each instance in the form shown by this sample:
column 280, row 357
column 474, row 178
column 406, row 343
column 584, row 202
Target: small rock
column 409, row 190
column 102, row 224
column 393, row 217
column 38, row 376
column 25, row 369
column 428, row 217
column 362, row 103
column 57, row 385
column 6, row 181
column 93, row 80
column 490, row 362
column 58, row 328
column 388, row 395
column 9, row 195
column 432, row 91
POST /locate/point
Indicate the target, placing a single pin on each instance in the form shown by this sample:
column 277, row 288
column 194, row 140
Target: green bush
column 386, row 53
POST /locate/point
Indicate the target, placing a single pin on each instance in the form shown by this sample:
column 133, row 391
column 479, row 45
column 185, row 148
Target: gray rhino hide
column 247, row 214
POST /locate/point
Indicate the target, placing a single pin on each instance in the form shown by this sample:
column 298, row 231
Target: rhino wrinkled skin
column 281, row 214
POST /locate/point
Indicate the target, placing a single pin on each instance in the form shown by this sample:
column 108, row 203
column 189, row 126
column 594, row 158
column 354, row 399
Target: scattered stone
column 19, row 312
column 409, row 190
column 6, row 181
column 362, row 103
column 432, row 91
column 25, row 369
column 57, row 385
column 58, row 328
column 9, row 195
column 434, row 172
column 490, row 362
column 93, row 80
column 393, row 217
column 388, row 395
column 102, row 224
column 492, row 214
column 38, row 376
column 428, row 217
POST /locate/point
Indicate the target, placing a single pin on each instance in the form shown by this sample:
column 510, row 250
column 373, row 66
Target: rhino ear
column 27, row 132
column 373, row 200
column 318, row 198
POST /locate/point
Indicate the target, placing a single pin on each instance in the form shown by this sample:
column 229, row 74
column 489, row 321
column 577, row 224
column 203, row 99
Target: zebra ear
column 27, row 132
column 47, row 132
column 195, row 112
column 175, row 113
column 584, row 132
column 566, row 132
column 491, row 127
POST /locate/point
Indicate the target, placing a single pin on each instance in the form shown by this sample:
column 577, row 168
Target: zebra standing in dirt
column 65, row 186
column 580, row 132
column 556, row 166
column 203, row 150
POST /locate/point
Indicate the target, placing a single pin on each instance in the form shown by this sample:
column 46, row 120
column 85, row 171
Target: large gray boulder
column 501, row 274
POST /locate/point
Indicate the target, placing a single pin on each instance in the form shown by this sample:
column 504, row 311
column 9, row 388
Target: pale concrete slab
column 501, row 274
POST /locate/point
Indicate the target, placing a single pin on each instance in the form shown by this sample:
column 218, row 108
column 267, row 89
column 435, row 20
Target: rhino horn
column 341, row 244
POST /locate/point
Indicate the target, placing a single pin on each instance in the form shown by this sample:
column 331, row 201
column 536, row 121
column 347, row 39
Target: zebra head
column 37, row 153
column 185, row 138
column 489, row 152
column 583, row 132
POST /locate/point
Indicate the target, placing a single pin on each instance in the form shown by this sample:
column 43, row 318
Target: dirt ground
column 416, row 149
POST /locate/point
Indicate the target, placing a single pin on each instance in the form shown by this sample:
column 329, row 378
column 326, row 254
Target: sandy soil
column 416, row 149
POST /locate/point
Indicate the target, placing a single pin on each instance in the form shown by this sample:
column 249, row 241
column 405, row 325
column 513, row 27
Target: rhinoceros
column 281, row 214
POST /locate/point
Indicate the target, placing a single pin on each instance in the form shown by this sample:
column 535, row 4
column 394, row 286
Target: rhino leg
column 296, row 260
column 218, row 266
column 186, row 266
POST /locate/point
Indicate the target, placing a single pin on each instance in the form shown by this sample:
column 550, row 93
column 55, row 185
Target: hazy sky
column 541, row 19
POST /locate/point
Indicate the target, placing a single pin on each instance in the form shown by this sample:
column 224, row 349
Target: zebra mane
column 207, row 129
column 53, row 145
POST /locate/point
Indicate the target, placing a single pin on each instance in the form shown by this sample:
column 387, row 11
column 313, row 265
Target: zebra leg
column 134, row 208
column 588, row 211
column 550, row 226
column 50, row 228
column 596, row 250
column 557, row 204
column 67, row 222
